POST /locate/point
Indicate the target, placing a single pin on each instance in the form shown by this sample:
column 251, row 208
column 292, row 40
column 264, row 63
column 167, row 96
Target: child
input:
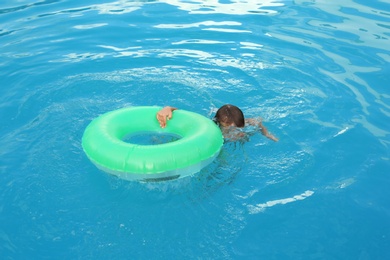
column 228, row 118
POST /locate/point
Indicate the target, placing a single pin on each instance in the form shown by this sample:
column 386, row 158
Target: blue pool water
column 316, row 71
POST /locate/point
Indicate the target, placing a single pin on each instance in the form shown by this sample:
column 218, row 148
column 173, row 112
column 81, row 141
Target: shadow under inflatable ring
column 200, row 142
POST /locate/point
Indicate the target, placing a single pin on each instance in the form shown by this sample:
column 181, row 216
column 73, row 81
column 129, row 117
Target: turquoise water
column 316, row 71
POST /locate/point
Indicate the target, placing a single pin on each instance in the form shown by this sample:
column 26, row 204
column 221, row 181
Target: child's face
column 225, row 124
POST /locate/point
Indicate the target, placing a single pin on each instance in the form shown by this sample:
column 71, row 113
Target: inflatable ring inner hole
column 150, row 138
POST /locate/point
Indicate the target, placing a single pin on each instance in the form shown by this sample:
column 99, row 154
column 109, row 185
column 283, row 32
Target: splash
column 254, row 209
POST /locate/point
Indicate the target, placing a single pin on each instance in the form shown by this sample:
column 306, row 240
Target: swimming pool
column 317, row 72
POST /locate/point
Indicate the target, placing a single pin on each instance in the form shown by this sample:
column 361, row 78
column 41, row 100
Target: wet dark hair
column 229, row 114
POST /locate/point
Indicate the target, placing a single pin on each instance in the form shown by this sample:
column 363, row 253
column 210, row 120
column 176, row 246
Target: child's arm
column 164, row 115
column 263, row 129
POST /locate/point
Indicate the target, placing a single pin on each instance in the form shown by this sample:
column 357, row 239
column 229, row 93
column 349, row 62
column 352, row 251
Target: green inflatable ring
column 200, row 142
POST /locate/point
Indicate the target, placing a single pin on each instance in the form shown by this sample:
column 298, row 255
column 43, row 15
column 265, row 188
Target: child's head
column 229, row 115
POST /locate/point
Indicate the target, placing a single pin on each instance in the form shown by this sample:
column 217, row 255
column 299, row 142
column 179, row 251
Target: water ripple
column 22, row 7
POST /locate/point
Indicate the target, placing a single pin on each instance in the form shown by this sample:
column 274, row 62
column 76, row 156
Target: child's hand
column 264, row 131
column 273, row 138
column 164, row 115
